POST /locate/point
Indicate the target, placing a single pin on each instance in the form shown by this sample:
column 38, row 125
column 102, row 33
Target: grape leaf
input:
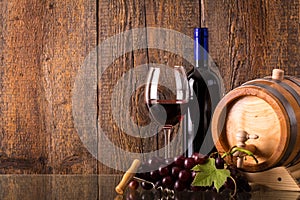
column 207, row 175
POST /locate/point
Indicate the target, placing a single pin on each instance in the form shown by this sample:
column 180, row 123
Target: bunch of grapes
column 237, row 181
column 176, row 175
column 241, row 183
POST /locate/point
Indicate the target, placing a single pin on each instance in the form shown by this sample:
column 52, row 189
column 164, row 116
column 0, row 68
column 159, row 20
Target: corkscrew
column 165, row 193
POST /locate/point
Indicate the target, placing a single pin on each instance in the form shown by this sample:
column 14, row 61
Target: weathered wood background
column 44, row 43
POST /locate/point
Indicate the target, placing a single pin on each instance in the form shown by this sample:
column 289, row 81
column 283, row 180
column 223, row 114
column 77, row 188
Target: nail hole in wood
column 51, row 5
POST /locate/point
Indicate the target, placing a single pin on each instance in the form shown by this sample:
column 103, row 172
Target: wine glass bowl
column 166, row 96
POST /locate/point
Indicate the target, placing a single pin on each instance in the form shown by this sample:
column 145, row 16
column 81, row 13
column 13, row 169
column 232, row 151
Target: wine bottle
column 205, row 93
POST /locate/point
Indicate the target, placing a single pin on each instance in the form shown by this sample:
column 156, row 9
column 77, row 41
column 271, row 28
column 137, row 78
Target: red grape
column 219, row 163
column 158, row 183
column 146, row 186
column 229, row 184
column 184, row 175
column 179, row 186
column 133, row 195
column 133, row 185
column 175, row 171
column 195, row 154
column 189, row 163
column 154, row 175
column 163, row 171
column 199, row 158
column 179, row 161
column 167, row 182
column 233, row 170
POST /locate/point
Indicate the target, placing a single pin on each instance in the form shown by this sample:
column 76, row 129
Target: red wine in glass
column 168, row 112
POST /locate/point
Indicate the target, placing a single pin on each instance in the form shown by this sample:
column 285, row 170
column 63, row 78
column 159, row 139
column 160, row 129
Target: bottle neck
column 201, row 48
column 202, row 64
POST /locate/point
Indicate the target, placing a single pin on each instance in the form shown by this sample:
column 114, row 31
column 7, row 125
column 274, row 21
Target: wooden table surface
column 83, row 187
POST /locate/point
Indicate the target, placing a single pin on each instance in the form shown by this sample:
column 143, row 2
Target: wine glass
column 166, row 96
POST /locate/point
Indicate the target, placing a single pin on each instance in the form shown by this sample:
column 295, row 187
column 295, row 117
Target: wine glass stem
column 167, row 136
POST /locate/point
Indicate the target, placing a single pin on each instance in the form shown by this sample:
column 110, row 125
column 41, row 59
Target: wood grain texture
column 250, row 114
column 43, row 45
column 69, row 33
column 129, row 15
column 116, row 17
column 278, row 178
column 21, row 115
column 264, row 108
column 253, row 38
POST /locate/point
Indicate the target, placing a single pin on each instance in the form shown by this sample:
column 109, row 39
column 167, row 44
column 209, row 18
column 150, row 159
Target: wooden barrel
column 268, row 108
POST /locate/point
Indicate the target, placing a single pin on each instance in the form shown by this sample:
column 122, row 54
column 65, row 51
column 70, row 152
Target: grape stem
column 143, row 180
column 240, row 149
column 212, row 155
column 165, row 191
column 235, row 186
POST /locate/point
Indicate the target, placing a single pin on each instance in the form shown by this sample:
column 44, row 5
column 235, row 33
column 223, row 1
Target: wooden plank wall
column 250, row 38
column 44, row 43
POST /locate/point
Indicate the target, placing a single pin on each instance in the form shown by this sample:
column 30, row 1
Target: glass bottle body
column 205, row 93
